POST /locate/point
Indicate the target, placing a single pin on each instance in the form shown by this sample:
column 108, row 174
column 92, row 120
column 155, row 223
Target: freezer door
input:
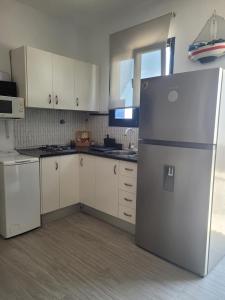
column 182, row 107
column 173, row 204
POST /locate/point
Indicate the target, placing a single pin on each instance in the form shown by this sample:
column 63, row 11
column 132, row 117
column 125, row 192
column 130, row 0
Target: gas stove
column 55, row 148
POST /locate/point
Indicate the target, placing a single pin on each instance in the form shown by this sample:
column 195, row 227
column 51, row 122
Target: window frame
column 134, row 122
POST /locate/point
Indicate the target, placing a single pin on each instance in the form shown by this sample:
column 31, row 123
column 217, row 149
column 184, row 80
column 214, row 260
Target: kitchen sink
column 122, row 152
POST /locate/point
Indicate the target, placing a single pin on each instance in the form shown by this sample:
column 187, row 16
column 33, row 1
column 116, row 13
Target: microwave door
column 11, row 107
column 6, row 107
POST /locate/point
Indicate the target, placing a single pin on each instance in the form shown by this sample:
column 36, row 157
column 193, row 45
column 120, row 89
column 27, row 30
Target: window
column 124, row 117
column 151, row 64
column 126, row 81
column 147, row 62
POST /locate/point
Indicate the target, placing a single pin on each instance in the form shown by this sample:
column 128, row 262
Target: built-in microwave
column 11, row 107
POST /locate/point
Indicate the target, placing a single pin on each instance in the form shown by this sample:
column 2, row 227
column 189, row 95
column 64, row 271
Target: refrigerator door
column 182, row 107
column 174, row 203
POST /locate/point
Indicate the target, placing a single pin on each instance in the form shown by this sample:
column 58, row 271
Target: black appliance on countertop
column 8, row 88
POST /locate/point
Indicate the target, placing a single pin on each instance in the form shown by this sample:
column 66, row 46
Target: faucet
column 131, row 146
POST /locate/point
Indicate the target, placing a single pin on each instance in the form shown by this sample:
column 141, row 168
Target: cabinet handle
column 56, row 165
column 114, row 169
column 127, row 215
column 56, row 100
column 128, row 169
column 81, row 162
column 128, row 200
column 128, row 184
column 77, row 101
column 49, row 98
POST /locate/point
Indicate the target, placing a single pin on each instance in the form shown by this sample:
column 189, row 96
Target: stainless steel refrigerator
column 181, row 169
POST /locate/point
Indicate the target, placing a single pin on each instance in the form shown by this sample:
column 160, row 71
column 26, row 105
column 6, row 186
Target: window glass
column 151, row 64
column 126, row 81
column 123, row 113
column 168, row 60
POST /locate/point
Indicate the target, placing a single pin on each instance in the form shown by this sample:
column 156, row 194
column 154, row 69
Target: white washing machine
column 19, row 193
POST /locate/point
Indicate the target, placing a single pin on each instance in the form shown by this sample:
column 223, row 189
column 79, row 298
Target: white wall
column 191, row 16
column 22, row 25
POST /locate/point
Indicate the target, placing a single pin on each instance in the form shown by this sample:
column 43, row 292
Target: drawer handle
column 56, row 165
column 49, row 98
column 81, row 161
column 128, row 200
column 127, row 215
column 128, row 184
column 114, row 169
column 128, row 169
column 56, row 100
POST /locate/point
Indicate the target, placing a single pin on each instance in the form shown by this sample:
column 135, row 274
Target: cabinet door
column 69, row 180
column 63, row 82
column 39, row 78
column 49, row 184
column 106, row 176
column 86, row 86
column 87, row 180
column 95, row 81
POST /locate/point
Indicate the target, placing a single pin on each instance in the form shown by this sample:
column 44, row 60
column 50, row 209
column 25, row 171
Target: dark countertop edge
column 40, row 154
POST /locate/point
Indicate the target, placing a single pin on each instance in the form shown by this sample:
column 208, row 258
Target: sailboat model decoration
column 210, row 43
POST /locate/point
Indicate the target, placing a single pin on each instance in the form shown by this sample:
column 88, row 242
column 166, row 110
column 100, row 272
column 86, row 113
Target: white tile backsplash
column 6, row 135
column 42, row 126
column 98, row 125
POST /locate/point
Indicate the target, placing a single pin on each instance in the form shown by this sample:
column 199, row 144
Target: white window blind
column 124, row 59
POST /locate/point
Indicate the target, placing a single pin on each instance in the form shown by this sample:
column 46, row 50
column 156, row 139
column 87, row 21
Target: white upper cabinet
column 86, row 86
column 63, row 82
column 47, row 80
column 94, row 104
column 39, row 75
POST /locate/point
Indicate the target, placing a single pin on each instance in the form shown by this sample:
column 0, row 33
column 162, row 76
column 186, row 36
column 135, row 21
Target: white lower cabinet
column 59, row 182
column 127, row 214
column 87, row 180
column 49, row 184
column 109, row 186
column 69, row 180
column 127, row 191
column 127, row 199
column 106, row 185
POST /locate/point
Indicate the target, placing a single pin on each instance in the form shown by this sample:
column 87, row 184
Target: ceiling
column 85, row 12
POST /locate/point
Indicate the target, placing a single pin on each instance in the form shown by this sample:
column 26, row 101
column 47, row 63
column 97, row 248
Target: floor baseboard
column 60, row 213
column 67, row 211
column 108, row 219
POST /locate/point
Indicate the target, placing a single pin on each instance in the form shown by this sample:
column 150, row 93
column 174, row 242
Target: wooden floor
column 80, row 257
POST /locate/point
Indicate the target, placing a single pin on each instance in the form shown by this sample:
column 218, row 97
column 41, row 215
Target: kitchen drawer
column 127, row 199
column 128, row 169
column 128, row 184
column 127, row 214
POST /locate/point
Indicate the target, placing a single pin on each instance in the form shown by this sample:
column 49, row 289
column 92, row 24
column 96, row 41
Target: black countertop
column 36, row 152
